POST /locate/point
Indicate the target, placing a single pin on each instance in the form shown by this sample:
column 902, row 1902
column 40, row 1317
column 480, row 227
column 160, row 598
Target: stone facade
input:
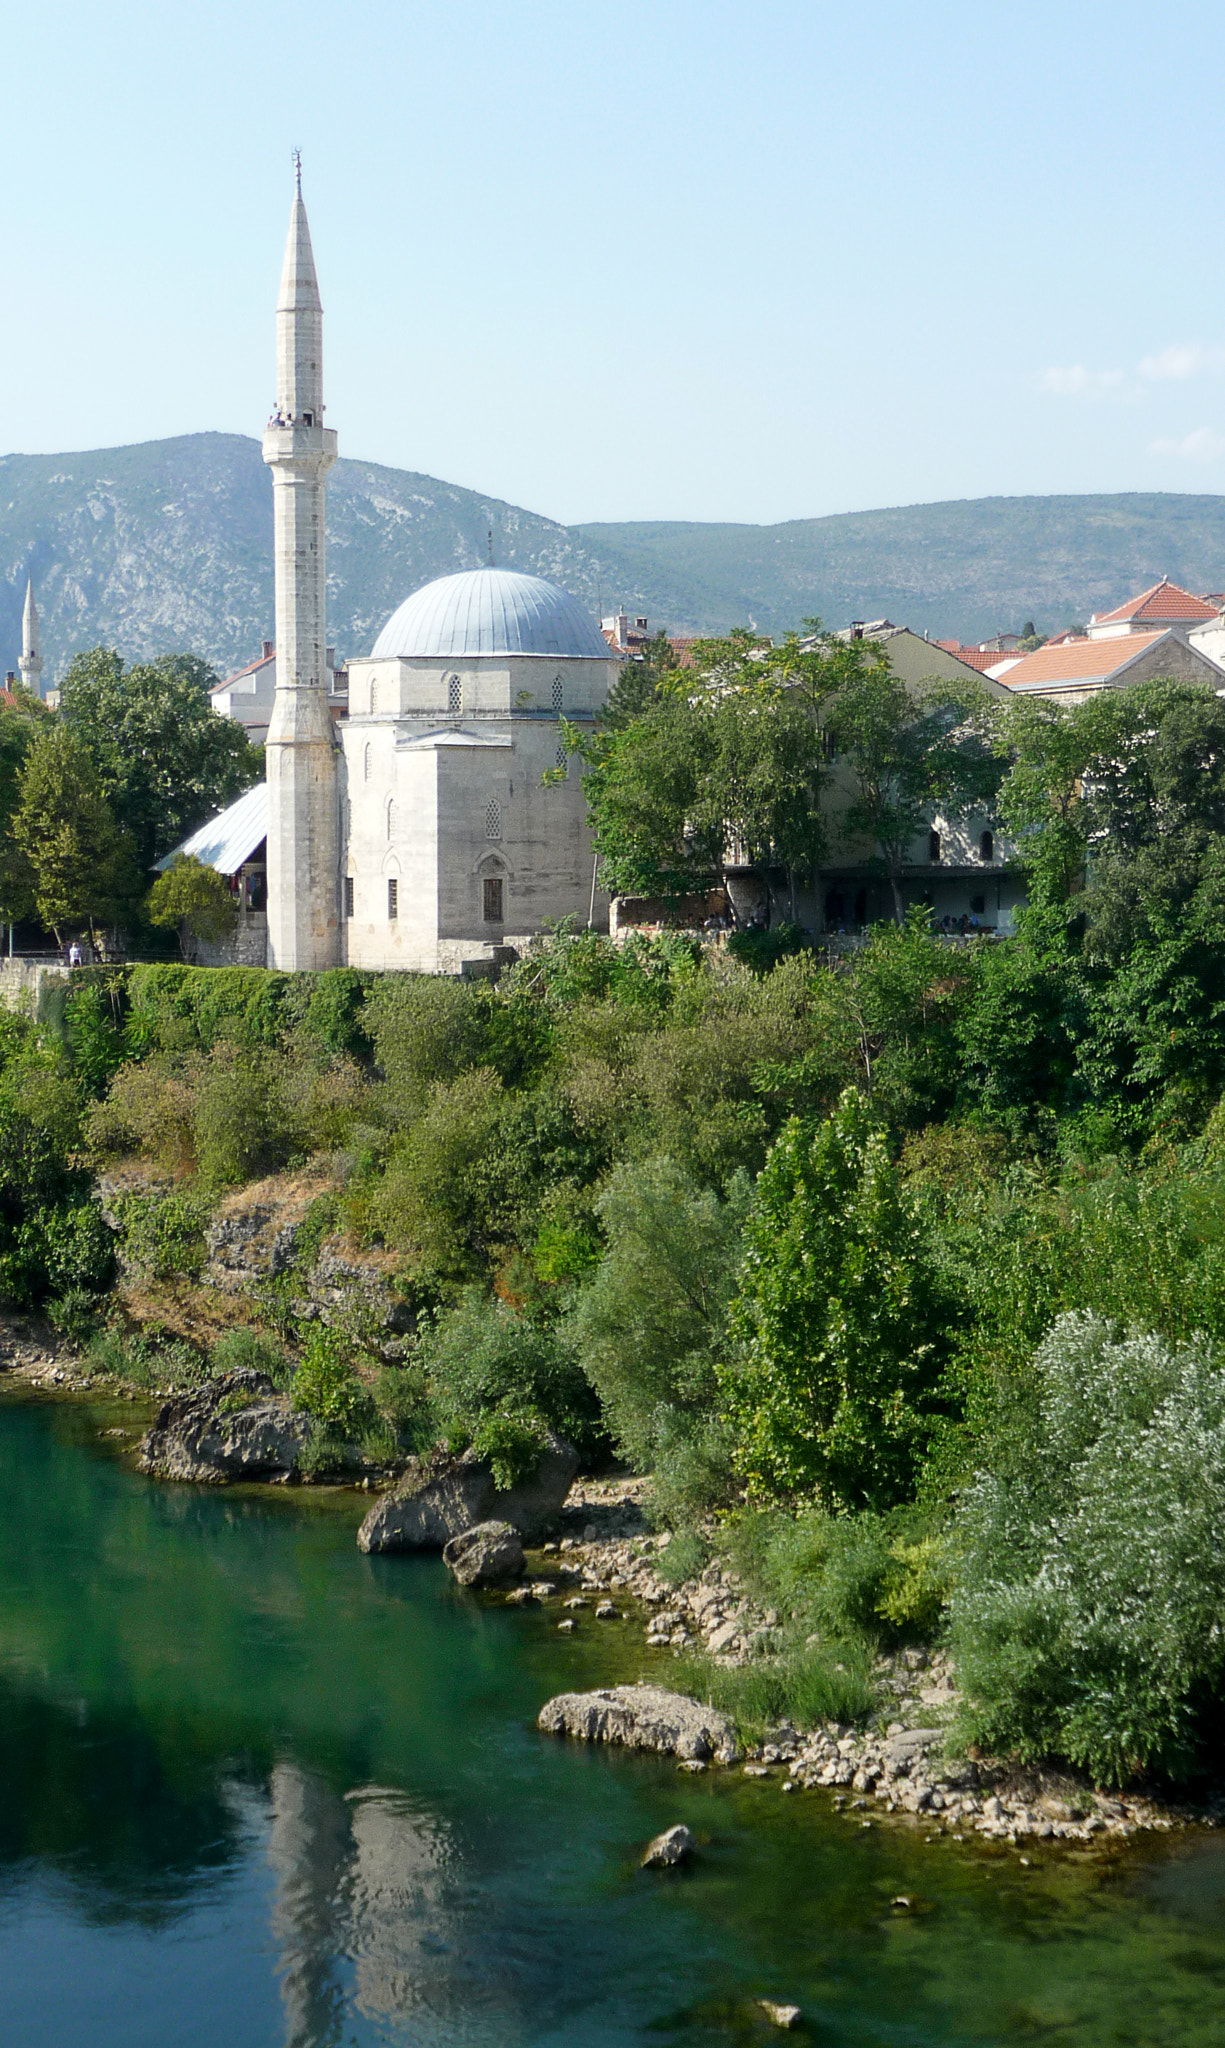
column 456, row 844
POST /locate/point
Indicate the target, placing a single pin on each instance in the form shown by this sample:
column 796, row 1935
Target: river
column 260, row 1791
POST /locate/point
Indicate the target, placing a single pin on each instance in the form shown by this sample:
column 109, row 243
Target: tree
column 722, row 764
column 910, row 754
column 837, row 1328
column 81, row 865
column 165, row 760
column 194, row 899
column 20, row 723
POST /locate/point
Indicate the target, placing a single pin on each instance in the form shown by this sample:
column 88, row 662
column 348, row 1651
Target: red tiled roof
column 1078, row 661
column 238, row 675
column 1165, row 600
column 981, row 658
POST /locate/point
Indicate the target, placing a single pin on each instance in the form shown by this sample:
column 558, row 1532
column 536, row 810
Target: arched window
column 391, row 818
column 493, row 819
column 986, row 846
column 559, row 693
column 455, row 694
column 493, row 899
column 933, row 845
column 366, row 759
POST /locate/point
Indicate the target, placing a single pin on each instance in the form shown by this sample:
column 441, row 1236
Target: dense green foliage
column 903, row 1274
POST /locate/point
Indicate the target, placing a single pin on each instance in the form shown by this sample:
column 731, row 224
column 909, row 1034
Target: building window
column 493, row 819
column 933, row 846
column 393, row 898
column 559, row 693
column 493, row 899
column 986, row 846
column 455, row 694
column 348, row 895
column 978, row 905
column 374, row 696
column 391, row 818
column 366, row 763
column 562, row 758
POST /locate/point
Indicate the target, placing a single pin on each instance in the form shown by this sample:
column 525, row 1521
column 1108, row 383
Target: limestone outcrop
column 643, row 1717
column 668, row 1849
column 491, row 1554
column 429, row 1507
column 237, row 1427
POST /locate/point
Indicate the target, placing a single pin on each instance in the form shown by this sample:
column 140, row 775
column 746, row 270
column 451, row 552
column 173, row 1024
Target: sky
column 692, row 259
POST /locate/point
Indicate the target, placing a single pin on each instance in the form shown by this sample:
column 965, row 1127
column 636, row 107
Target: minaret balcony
column 297, row 446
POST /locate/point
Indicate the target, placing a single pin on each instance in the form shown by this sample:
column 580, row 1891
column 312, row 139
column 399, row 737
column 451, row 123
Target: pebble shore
column 896, row 1768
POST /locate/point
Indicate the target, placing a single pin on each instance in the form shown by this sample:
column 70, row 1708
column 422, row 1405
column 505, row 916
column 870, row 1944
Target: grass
column 822, row 1682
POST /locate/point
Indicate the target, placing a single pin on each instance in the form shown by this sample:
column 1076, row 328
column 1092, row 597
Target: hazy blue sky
column 717, row 260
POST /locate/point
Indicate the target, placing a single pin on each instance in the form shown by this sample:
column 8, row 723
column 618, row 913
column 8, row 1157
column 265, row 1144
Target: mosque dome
column 491, row 611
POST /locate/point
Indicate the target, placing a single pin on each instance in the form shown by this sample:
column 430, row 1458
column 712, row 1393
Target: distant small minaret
column 301, row 752
column 31, row 663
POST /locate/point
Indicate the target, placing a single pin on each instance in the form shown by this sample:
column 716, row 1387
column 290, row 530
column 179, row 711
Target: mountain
column 168, row 544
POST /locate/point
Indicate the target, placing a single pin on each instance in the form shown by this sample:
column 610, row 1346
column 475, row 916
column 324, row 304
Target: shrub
column 649, row 1324
column 327, row 1387
column 1092, row 1574
column 837, row 1323
column 503, row 1377
column 876, row 1577
column 242, row 1125
column 149, row 1360
column 163, row 1234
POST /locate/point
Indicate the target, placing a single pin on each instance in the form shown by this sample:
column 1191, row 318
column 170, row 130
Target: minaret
column 302, row 766
column 31, row 663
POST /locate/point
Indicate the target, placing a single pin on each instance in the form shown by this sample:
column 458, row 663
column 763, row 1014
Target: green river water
column 257, row 1789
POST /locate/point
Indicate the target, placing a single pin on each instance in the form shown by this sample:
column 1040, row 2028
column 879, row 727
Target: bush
column 327, row 1387
column 499, row 1379
column 163, row 1234
column 1092, row 1576
column 882, row 1578
column 649, row 1325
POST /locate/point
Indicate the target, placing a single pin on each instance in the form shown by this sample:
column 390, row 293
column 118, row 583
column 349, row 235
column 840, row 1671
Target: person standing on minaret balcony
column 304, row 926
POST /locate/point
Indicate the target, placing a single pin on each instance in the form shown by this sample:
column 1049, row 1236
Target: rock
column 642, row 1717
column 428, row 1509
column 780, row 2015
column 606, row 1611
column 671, row 1847
column 723, row 1638
column 564, row 1628
column 236, row 1427
column 491, row 1554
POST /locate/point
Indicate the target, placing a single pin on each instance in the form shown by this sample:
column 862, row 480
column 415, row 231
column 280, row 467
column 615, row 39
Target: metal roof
column 229, row 839
column 492, row 611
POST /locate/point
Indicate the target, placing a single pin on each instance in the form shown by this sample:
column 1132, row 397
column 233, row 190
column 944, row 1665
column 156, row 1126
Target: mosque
column 420, row 831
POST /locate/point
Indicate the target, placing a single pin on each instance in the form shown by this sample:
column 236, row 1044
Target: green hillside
column 168, row 544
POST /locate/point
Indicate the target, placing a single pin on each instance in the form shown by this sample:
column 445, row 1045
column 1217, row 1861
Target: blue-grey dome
column 491, row 611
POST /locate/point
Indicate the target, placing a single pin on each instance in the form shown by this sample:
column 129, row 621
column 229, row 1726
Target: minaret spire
column 31, row 662
column 301, row 752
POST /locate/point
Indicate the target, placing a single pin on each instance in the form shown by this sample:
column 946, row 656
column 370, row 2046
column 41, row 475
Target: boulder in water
column 643, row 1717
column 491, row 1554
column 235, row 1427
column 671, row 1847
column 430, row 1507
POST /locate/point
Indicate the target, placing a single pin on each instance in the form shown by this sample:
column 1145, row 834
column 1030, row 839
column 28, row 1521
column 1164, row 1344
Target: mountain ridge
column 163, row 545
